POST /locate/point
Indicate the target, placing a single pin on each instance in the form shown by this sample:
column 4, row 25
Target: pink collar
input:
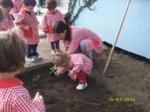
column 10, row 82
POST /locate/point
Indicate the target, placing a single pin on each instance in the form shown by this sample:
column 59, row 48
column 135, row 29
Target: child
column 17, row 6
column 51, row 16
column 6, row 22
column 78, row 67
column 27, row 24
column 13, row 96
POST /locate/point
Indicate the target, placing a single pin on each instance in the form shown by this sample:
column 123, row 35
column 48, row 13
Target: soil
column 126, row 78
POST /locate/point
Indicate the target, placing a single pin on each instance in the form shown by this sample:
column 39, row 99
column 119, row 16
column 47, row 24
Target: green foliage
column 36, row 79
column 53, row 70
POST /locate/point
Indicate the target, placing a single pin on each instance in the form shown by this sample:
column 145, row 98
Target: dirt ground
column 126, row 78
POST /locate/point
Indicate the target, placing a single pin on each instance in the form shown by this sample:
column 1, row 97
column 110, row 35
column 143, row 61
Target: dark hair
column 6, row 3
column 51, row 4
column 12, row 51
column 67, row 18
column 61, row 27
column 29, row 2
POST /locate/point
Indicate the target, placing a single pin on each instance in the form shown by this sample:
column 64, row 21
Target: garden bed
column 126, row 78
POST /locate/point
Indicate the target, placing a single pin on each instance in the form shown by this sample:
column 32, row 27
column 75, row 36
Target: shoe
column 30, row 59
column 36, row 58
column 53, row 52
column 81, row 86
column 57, row 52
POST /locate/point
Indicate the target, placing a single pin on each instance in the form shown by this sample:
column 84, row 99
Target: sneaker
column 56, row 52
column 53, row 52
column 36, row 58
column 29, row 59
column 81, row 86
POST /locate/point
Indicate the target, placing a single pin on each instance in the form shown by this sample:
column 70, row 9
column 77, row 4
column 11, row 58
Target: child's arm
column 77, row 65
column 20, row 23
column 72, row 74
column 77, row 68
column 60, row 70
column 38, row 102
column 74, row 71
column 23, row 103
column 44, row 24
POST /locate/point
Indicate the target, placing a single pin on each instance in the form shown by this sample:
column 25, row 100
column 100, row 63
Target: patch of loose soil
column 126, row 78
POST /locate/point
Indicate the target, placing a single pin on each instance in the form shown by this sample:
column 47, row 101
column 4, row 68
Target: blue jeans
column 32, row 51
column 83, row 49
column 55, row 45
column 38, row 2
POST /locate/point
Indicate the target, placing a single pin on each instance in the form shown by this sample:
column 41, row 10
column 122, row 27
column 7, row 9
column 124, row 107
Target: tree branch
column 72, row 5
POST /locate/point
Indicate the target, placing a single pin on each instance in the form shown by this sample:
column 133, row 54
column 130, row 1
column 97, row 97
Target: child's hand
column 57, row 73
column 38, row 97
column 26, row 27
column 60, row 70
column 71, row 73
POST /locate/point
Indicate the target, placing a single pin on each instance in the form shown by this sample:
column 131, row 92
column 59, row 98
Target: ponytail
column 68, row 33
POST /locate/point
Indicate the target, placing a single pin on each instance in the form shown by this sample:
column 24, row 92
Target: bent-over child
column 77, row 65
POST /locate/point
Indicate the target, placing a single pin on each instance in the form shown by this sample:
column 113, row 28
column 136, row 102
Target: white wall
column 62, row 6
column 105, row 20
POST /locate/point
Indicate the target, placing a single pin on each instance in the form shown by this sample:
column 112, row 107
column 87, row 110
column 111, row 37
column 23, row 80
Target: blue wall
column 105, row 21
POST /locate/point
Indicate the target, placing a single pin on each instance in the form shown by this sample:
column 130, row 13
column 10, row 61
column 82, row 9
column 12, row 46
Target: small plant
column 36, row 79
column 53, row 70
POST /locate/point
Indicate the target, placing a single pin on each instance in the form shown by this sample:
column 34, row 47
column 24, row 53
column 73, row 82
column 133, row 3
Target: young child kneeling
column 77, row 65
column 13, row 96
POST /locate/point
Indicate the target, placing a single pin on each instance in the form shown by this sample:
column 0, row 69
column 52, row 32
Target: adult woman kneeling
column 78, row 40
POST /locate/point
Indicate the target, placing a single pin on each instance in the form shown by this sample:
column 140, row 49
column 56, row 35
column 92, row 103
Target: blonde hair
column 61, row 59
column 12, row 51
